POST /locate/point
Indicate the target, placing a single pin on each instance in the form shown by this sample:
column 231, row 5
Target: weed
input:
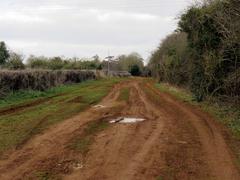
column 44, row 175
column 83, row 143
column 159, row 178
column 124, row 94
column 181, row 94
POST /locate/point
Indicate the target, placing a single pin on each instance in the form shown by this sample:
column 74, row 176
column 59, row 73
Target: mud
column 176, row 141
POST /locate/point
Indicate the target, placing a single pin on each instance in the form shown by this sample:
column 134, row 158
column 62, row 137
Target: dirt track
column 177, row 141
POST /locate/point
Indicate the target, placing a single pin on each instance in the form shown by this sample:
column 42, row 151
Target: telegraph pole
column 109, row 58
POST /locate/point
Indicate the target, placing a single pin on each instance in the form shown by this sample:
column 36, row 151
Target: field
column 64, row 133
column 26, row 113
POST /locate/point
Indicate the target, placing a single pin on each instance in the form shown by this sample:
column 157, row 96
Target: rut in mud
column 175, row 141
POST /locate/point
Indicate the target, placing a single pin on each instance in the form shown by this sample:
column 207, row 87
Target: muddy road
column 176, row 141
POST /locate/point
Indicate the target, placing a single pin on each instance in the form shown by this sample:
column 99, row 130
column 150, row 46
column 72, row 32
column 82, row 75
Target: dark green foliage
column 4, row 54
column 135, row 70
column 212, row 49
column 214, row 46
column 14, row 62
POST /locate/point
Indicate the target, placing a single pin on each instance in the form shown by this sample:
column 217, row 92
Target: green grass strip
column 18, row 126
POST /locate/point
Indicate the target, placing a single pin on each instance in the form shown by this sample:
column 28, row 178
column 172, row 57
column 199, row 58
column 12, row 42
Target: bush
column 15, row 61
column 56, row 63
column 213, row 37
column 40, row 62
column 41, row 79
column 209, row 59
column 135, row 70
column 170, row 61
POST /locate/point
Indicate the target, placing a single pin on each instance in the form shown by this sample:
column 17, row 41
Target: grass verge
column 18, row 125
column 228, row 114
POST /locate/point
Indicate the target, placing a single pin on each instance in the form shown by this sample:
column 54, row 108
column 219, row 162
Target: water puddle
column 99, row 106
column 127, row 120
column 78, row 166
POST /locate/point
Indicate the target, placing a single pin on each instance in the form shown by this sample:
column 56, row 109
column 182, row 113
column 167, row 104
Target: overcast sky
column 84, row 28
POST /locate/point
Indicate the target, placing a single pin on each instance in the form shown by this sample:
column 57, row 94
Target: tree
column 40, row 62
column 204, row 52
column 170, row 61
column 15, row 61
column 135, row 70
column 213, row 37
column 56, row 63
column 4, row 54
column 127, row 62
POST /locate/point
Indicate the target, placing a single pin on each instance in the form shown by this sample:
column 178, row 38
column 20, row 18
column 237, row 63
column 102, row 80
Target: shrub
column 56, row 63
column 210, row 60
column 40, row 62
column 15, row 61
column 41, row 79
column 170, row 61
column 135, row 70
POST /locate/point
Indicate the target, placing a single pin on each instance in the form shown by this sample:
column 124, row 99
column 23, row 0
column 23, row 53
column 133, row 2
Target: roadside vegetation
column 203, row 54
column 124, row 94
column 202, row 57
column 26, row 113
column 228, row 114
column 41, row 80
column 132, row 63
column 41, row 73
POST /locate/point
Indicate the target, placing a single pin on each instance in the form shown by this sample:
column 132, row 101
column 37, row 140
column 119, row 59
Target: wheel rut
column 176, row 141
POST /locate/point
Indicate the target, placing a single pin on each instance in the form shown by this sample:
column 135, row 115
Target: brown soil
column 176, row 141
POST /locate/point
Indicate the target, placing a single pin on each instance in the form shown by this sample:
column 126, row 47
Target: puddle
column 127, row 120
column 78, row 166
column 99, row 106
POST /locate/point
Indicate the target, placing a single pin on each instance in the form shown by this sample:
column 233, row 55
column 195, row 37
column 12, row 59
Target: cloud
column 115, row 16
column 86, row 27
column 20, row 17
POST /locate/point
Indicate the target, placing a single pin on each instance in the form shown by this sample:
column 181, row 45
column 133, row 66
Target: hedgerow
column 208, row 59
column 40, row 79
